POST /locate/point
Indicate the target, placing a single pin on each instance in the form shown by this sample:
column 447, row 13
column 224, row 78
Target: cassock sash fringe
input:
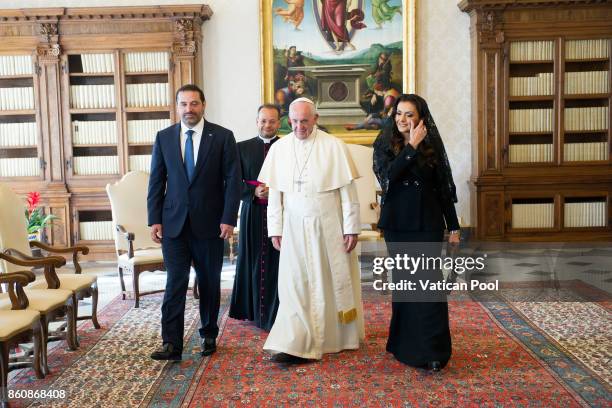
column 347, row 317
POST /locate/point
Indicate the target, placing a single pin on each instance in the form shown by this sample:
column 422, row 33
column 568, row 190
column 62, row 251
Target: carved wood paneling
column 48, row 51
column 8, row 31
column 561, row 16
column 494, row 24
column 183, row 71
column 490, row 111
column 492, row 218
column 59, row 231
column 470, row 5
column 107, row 13
column 53, row 121
column 115, row 28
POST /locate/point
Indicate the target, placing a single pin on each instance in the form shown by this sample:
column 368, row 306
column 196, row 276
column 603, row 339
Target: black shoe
column 167, row 353
column 284, row 358
column 434, row 366
column 209, row 346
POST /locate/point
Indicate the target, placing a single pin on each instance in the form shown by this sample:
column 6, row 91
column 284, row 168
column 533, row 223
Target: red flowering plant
column 34, row 215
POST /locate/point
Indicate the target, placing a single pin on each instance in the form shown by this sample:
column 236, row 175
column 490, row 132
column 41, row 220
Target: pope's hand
column 350, row 241
column 226, row 231
column 276, row 242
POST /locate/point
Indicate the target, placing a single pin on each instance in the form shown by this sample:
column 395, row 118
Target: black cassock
column 255, row 294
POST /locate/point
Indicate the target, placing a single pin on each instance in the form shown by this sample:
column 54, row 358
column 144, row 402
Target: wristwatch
column 455, row 232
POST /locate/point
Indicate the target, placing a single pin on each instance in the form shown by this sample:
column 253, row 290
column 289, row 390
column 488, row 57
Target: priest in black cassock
column 255, row 295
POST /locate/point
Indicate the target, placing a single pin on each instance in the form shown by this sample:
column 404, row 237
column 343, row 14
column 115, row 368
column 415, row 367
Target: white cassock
column 312, row 203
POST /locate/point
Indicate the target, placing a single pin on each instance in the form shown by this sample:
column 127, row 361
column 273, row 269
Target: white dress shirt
column 196, row 137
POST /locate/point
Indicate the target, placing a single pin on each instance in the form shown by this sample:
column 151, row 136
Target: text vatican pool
column 406, row 285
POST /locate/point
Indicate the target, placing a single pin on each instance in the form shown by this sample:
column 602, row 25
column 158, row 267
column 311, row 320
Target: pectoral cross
column 300, row 171
column 299, row 184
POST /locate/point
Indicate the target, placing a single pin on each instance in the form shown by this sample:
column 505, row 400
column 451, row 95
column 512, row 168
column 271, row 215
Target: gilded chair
column 16, row 254
column 51, row 304
column 19, row 324
column 136, row 251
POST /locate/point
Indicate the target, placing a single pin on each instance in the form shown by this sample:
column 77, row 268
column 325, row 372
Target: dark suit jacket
column 413, row 199
column 212, row 197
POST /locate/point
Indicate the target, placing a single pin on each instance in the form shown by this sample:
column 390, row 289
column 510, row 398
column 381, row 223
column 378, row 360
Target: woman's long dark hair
column 397, row 139
column 431, row 149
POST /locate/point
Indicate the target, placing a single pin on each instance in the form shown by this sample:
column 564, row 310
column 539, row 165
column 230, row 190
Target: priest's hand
column 226, row 231
column 350, row 241
column 276, row 242
column 261, row 191
column 156, row 233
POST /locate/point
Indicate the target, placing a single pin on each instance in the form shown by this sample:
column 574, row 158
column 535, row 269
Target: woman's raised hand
column 417, row 134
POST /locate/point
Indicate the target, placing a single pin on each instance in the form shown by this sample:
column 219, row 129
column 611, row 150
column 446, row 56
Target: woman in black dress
column 417, row 206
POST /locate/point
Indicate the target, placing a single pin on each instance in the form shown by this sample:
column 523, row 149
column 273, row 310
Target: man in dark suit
column 194, row 193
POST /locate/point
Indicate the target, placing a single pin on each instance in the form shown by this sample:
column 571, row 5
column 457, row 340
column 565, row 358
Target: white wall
column 443, row 79
column 232, row 69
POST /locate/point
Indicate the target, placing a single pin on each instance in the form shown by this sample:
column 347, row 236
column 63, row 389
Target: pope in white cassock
column 313, row 219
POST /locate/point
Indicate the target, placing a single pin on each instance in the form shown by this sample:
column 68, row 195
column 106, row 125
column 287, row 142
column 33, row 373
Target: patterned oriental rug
column 504, row 354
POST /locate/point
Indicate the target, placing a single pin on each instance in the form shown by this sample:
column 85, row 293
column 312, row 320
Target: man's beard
column 191, row 120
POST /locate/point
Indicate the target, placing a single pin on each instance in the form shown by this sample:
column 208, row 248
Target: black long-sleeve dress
column 415, row 209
